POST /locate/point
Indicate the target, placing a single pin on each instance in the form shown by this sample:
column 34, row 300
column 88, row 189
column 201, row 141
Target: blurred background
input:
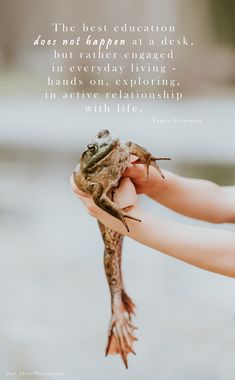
column 54, row 299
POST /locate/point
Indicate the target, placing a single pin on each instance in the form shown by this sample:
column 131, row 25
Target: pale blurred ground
column 55, row 305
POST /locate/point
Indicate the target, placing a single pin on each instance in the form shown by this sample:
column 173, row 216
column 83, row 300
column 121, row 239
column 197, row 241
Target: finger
column 125, row 196
column 85, row 201
column 134, row 171
column 76, row 189
column 90, row 205
column 81, row 193
column 134, row 158
column 73, row 185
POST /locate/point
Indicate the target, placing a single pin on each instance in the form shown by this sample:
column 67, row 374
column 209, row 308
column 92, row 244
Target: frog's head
column 98, row 149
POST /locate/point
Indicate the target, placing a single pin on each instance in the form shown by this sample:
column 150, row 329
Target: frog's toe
column 152, row 162
column 123, row 216
column 121, row 337
column 124, row 222
column 131, row 217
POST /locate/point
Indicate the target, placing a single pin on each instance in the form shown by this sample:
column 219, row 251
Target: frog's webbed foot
column 111, row 208
column 146, row 158
column 120, row 336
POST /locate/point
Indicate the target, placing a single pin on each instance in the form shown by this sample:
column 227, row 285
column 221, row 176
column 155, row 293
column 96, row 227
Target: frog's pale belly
column 101, row 167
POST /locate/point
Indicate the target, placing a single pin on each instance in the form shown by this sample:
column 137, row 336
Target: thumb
column 125, row 196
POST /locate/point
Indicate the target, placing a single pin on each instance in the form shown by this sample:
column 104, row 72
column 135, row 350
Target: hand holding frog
column 125, row 197
column 153, row 183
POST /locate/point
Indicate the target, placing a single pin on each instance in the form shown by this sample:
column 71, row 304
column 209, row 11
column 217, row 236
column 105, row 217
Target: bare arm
column 196, row 198
column 206, row 248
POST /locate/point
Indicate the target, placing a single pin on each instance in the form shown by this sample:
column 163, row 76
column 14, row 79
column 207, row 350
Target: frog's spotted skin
column 98, row 173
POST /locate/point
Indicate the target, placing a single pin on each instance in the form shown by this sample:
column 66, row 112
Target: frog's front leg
column 145, row 157
column 102, row 201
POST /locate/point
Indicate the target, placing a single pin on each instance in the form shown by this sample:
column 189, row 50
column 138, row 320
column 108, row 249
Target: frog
column 98, row 173
column 102, row 165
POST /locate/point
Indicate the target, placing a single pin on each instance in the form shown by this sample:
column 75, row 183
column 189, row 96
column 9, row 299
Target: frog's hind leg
column 121, row 330
column 145, row 157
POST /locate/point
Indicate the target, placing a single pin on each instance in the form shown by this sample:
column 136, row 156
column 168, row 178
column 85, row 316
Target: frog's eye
column 92, row 148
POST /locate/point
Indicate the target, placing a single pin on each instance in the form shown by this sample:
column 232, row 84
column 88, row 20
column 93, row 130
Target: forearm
column 210, row 249
column 206, row 248
column 196, row 198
